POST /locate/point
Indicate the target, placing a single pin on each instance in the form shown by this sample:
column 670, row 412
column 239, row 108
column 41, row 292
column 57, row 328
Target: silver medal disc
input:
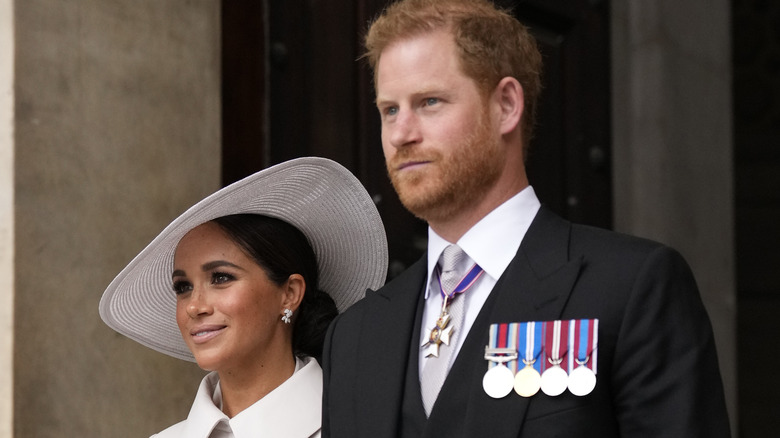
column 498, row 381
column 527, row 381
column 554, row 381
column 582, row 380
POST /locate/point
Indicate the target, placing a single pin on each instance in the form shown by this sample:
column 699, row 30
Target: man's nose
column 405, row 130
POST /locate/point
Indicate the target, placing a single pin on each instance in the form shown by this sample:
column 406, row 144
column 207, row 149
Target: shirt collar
column 493, row 241
column 294, row 408
column 205, row 413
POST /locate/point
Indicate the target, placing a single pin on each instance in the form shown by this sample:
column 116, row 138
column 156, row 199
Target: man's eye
column 391, row 111
column 431, row 101
column 182, row 287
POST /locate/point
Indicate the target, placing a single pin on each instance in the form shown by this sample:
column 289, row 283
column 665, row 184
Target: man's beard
column 459, row 178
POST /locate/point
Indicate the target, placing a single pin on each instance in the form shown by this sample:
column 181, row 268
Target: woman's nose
column 198, row 304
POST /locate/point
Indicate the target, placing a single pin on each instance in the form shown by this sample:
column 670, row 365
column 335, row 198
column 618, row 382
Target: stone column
column 117, row 131
column 672, row 146
column 6, row 216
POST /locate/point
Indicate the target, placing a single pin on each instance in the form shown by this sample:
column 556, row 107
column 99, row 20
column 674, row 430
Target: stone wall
column 117, row 131
column 672, row 146
column 6, row 216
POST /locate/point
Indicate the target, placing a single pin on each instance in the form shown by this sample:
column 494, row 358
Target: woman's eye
column 182, row 287
column 221, row 278
column 391, row 111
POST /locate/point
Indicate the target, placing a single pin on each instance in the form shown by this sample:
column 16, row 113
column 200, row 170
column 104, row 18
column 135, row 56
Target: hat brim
column 318, row 196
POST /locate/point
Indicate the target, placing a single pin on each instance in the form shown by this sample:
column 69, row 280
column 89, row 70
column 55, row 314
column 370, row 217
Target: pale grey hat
column 318, row 196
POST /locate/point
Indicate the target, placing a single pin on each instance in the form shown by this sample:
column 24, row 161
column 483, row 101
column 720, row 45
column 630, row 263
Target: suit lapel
column 384, row 351
column 534, row 287
column 537, row 284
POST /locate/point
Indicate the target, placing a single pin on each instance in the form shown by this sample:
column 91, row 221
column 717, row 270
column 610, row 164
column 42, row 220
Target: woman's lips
column 204, row 334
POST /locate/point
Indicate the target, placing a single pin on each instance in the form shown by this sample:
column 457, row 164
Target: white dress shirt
column 293, row 409
column 492, row 243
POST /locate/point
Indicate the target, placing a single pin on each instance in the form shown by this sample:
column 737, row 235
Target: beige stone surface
column 6, row 216
column 117, row 132
column 672, row 146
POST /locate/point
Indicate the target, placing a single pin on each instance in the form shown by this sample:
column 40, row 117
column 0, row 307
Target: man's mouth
column 411, row 164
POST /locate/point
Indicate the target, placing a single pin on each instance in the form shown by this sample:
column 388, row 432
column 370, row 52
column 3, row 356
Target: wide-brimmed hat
column 318, row 196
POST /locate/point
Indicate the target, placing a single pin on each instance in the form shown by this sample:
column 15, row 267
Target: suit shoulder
column 623, row 256
column 552, row 238
column 592, row 240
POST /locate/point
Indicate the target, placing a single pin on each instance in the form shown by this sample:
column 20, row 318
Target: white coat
column 293, row 409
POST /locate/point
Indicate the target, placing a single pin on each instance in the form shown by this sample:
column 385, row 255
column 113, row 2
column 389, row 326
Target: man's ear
column 508, row 95
column 292, row 295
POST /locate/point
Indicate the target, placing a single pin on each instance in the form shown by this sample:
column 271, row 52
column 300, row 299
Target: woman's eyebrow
column 218, row 264
column 207, row 267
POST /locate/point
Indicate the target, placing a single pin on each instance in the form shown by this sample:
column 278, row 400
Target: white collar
column 493, row 241
column 293, row 409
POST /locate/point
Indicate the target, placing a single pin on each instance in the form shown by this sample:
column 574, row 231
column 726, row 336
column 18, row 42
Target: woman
column 236, row 283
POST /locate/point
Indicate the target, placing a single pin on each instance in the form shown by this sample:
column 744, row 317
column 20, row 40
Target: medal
column 583, row 337
column 499, row 380
column 502, row 349
column 527, row 381
column 555, row 379
column 582, row 380
column 442, row 332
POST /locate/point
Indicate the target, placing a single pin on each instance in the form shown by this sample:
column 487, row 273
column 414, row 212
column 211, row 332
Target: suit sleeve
column 666, row 380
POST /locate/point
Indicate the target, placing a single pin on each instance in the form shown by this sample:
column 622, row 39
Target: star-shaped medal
column 438, row 335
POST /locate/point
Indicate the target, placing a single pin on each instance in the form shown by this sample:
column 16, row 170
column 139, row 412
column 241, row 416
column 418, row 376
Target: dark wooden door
column 314, row 98
column 569, row 162
column 756, row 107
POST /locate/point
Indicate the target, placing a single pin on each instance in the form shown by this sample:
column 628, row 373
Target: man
column 556, row 329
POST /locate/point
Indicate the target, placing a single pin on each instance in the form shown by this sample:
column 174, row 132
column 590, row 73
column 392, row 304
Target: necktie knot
column 450, row 264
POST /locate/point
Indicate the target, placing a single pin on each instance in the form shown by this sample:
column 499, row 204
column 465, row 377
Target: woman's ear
column 508, row 95
column 293, row 292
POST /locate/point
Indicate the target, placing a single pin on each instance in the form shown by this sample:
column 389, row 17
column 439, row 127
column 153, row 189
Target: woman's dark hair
column 282, row 250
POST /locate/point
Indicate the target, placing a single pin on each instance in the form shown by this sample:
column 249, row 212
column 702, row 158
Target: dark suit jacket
column 658, row 371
